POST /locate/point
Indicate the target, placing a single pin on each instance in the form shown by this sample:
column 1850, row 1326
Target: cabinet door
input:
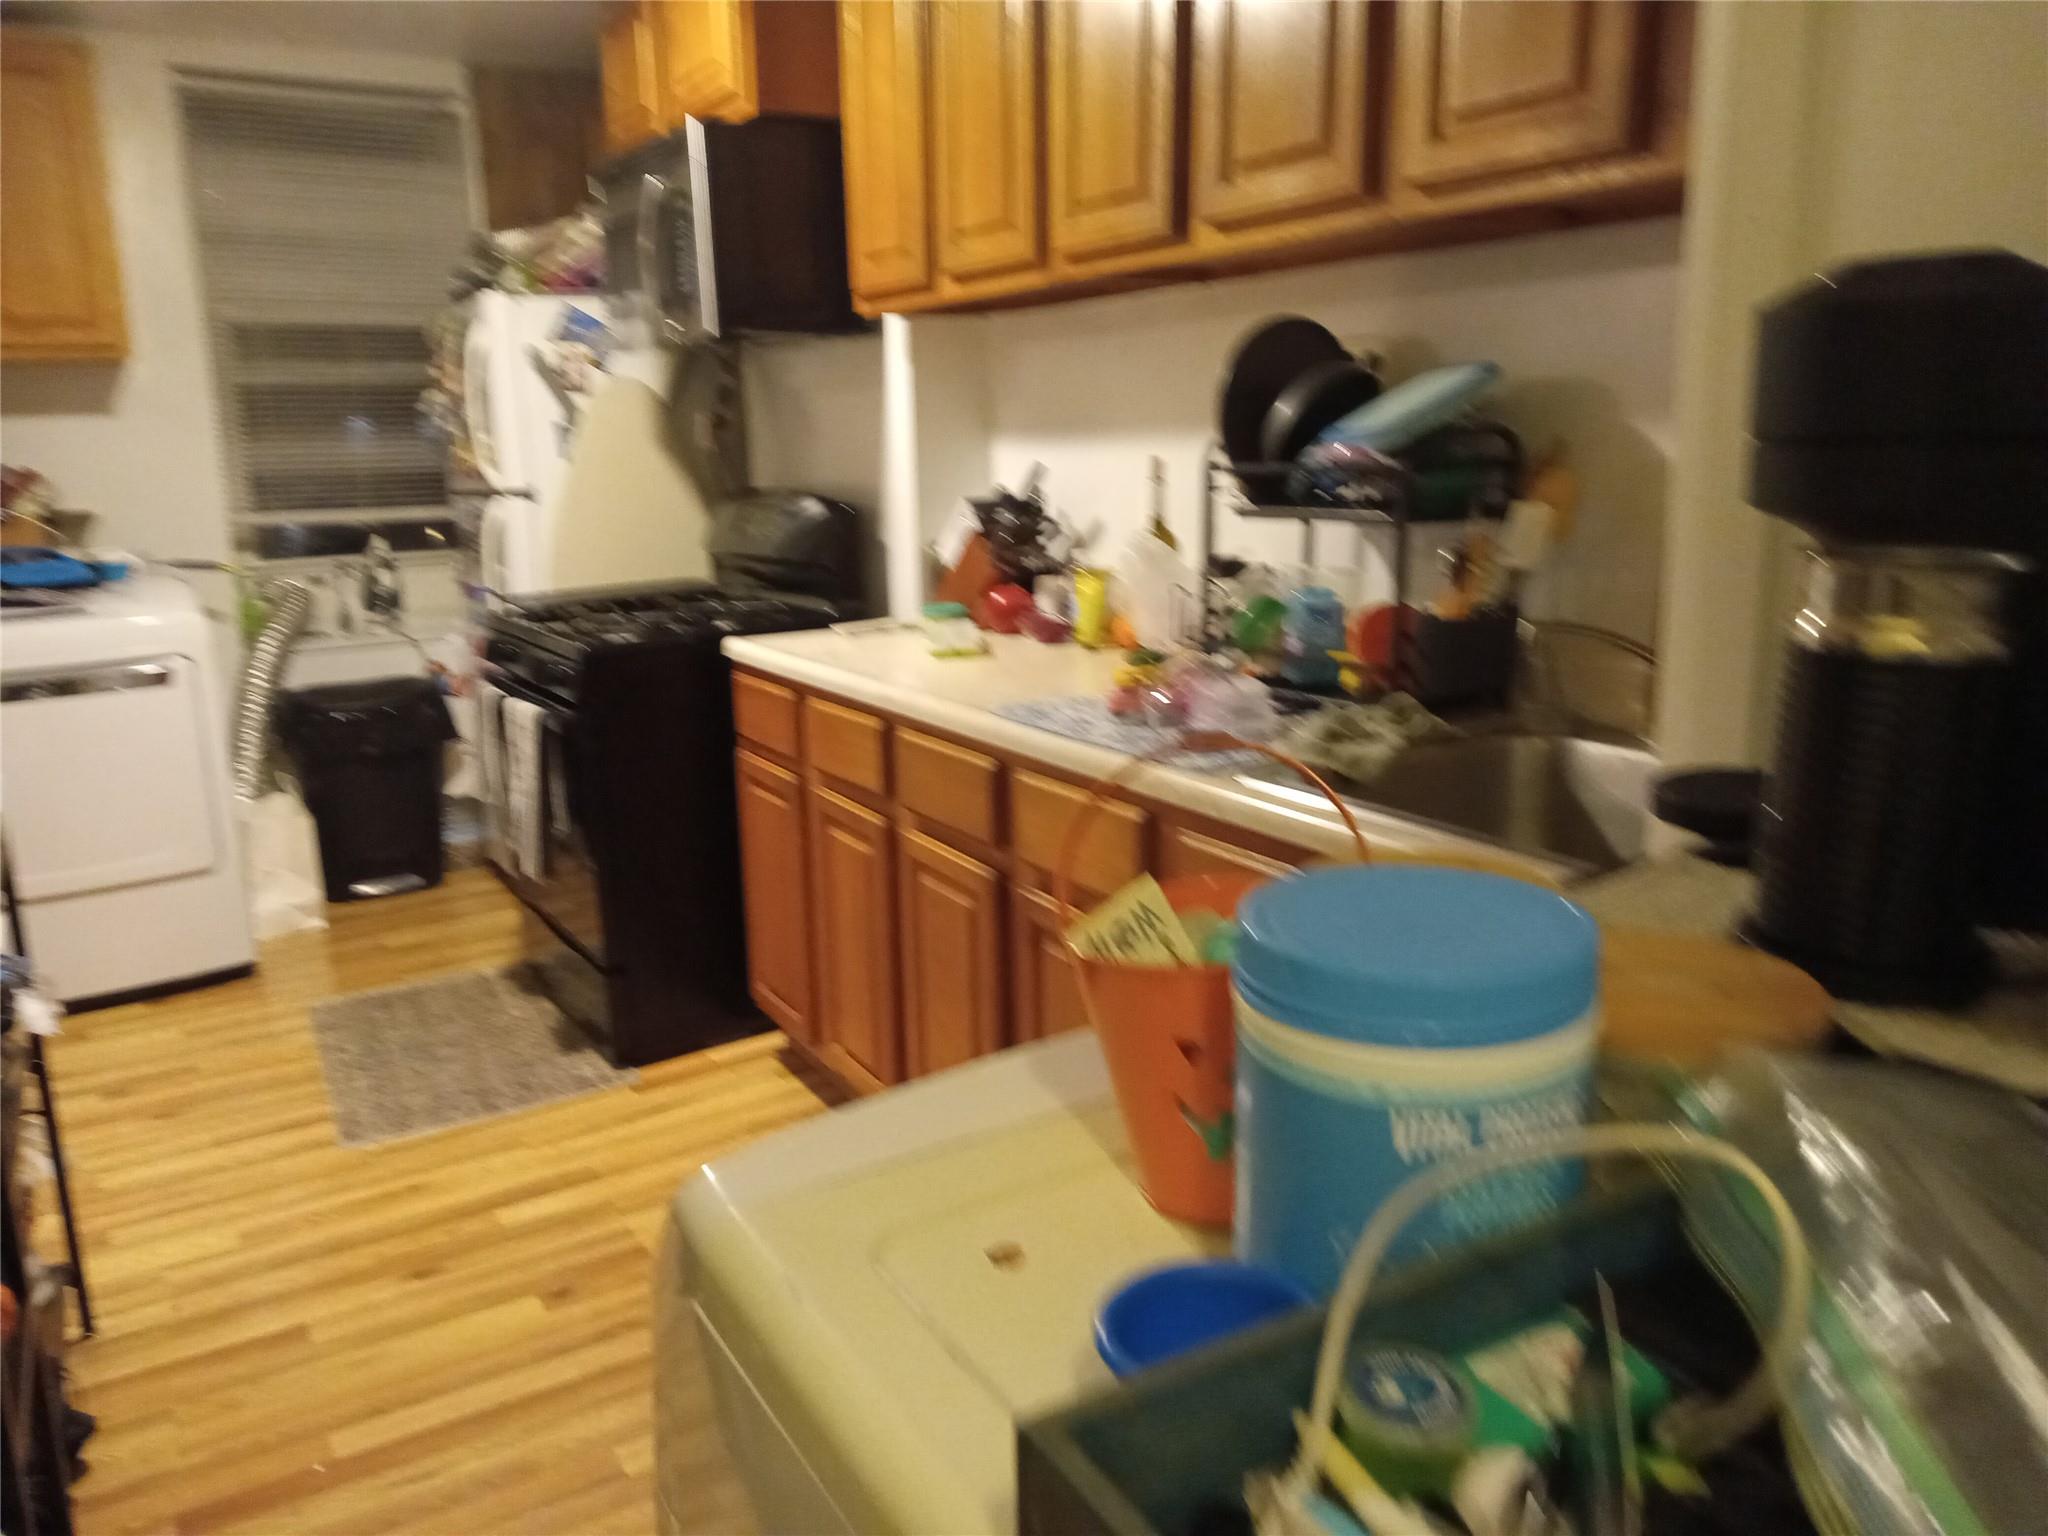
column 1184, row 851
column 1488, row 87
column 952, row 954
column 775, row 880
column 1281, row 118
column 1045, row 994
column 539, row 134
column 62, row 296
column 985, row 109
column 883, row 92
column 1113, row 126
column 853, row 900
column 707, row 58
column 629, row 57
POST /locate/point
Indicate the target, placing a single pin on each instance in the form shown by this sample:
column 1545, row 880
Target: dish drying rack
column 1439, row 661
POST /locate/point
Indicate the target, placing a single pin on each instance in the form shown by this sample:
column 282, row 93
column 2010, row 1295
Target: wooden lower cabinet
column 853, row 914
column 1185, row 851
column 951, row 916
column 900, row 915
column 777, row 880
column 1045, row 994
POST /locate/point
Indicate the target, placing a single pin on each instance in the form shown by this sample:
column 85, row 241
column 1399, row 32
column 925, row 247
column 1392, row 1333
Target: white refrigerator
column 568, row 477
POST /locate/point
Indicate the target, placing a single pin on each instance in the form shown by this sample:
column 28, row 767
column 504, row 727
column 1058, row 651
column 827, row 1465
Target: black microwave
column 724, row 228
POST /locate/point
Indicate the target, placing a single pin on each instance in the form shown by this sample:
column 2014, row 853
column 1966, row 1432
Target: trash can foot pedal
column 387, row 885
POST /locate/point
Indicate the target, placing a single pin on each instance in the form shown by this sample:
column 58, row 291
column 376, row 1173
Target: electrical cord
column 1692, row 1429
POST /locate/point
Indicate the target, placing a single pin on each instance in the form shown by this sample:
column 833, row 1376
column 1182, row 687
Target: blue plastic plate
column 1413, row 409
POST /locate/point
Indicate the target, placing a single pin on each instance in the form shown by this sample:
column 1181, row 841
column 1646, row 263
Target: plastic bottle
column 1313, row 628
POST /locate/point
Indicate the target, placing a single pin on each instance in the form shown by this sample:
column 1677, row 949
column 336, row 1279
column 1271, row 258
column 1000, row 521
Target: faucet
column 1612, row 693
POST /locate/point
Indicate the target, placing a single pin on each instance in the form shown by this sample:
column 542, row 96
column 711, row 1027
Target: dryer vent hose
column 290, row 602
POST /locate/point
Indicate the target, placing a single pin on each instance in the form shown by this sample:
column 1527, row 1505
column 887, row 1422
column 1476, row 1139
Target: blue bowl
column 1168, row 1311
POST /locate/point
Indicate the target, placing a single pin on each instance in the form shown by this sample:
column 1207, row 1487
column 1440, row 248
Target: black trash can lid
column 369, row 719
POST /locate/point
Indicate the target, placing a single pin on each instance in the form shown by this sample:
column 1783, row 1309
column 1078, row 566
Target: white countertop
column 894, row 670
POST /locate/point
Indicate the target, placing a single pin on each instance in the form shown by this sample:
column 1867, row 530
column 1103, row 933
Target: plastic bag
column 1921, row 1406
column 282, row 859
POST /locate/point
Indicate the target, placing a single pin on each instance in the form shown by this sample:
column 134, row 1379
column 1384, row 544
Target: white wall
column 1821, row 133
column 814, row 414
column 139, row 441
column 1581, row 322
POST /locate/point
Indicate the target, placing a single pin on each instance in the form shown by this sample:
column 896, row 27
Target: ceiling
column 559, row 34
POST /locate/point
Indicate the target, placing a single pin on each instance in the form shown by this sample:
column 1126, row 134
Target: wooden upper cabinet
column 985, row 135
column 61, row 299
column 854, row 917
column 1113, row 127
column 727, row 61
column 952, row 938
column 1282, row 111
column 707, row 49
column 629, row 56
column 1495, row 87
column 884, row 92
column 539, row 134
column 775, row 878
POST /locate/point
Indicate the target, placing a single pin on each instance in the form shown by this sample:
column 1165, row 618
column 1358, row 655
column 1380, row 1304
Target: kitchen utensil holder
column 1469, row 661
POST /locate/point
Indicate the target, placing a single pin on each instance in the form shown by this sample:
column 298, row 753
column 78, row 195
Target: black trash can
column 369, row 760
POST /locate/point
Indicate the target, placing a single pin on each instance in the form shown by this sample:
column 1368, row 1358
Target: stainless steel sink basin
column 1567, row 797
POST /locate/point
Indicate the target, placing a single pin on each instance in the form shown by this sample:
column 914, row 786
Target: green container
column 1140, row 1458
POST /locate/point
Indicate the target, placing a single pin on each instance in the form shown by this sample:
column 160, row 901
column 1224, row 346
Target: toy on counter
column 1141, row 675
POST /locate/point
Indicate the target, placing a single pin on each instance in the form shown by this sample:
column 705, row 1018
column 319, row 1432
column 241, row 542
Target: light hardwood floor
column 447, row 1334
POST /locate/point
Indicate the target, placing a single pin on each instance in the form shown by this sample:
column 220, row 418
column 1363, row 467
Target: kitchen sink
column 1567, row 797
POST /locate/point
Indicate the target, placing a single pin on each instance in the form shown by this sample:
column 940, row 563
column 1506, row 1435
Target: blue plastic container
column 1168, row 1311
column 1312, row 628
column 1388, row 1018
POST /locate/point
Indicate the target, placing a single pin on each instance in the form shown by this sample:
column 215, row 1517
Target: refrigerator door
column 526, row 384
column 511, row 553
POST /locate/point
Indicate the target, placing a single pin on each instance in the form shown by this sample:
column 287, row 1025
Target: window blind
column 328, row 224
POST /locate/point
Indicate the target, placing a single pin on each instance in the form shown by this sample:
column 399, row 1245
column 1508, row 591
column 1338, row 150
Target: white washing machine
column 876, row 1298
column 115, row 788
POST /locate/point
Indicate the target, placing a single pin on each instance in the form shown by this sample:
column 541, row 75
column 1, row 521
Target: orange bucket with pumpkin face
column 1168, row 1032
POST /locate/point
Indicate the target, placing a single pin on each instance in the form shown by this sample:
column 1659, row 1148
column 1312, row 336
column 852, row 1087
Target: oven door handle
column 518, row 688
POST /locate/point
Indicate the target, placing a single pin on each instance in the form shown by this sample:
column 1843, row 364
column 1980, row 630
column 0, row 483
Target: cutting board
column 1687, row 1000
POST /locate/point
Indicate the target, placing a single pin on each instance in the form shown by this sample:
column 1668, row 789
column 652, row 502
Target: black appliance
column 634, row 927
column 1901, row 419
column 768, row 542
column 728, row 227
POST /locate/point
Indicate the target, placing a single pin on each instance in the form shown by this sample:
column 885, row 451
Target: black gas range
column 633, row 905
column 547, row 641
